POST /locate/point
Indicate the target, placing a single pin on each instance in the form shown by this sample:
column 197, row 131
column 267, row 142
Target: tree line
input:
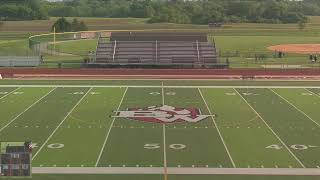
column 172, row 11
column 22, row 10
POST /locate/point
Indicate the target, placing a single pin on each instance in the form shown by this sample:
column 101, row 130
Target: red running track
column 160, row 73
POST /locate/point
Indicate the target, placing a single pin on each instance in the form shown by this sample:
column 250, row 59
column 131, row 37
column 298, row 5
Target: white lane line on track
column 68, row 114
column 274, row 133
column 10, row 93
column 167, row 86
column 27, row 109
column 215, row 124
column 111, row 125
column 302, row 112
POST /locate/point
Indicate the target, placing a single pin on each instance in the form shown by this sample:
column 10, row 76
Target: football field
column 164, row 126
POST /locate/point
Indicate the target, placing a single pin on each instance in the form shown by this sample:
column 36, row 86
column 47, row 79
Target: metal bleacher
column 156, row 53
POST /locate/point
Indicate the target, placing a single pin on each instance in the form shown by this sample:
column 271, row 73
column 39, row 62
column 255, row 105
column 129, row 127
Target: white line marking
column 26, row 109
column 312, row 92
column 10, row 93
column 68, row 114
column 296, row 107
column 271, row 130
column 111, row 125
column 164, row 141
column 215, row 124
column 159, row 86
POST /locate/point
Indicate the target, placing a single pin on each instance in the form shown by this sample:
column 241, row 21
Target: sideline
column 159, row 170
column 160, row 86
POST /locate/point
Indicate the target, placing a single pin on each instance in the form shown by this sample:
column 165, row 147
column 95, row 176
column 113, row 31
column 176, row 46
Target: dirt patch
column 297, row 48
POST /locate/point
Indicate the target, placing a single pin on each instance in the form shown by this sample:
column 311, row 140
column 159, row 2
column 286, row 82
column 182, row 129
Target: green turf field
column 77, row 127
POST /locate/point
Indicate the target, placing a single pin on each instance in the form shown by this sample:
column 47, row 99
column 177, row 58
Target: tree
column 82, row 26
column 1, row 25
column 302, row 25
column 62, row 25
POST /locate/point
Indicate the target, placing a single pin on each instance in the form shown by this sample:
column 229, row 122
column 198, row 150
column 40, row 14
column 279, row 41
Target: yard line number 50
column 172, row 146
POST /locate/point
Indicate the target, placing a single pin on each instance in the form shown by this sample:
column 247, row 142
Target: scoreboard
column 15, row 159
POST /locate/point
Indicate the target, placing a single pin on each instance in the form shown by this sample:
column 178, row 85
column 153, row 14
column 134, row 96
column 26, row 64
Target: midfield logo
column 163, row 114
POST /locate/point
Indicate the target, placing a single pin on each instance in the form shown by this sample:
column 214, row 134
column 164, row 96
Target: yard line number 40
column 295, row 147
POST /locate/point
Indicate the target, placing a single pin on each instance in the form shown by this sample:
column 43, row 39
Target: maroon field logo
column 163, row 114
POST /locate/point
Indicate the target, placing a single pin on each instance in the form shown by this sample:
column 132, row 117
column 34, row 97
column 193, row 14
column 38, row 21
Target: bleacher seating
column 141, row 49
column 156, row 52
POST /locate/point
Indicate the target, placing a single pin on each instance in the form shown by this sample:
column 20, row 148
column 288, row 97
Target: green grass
column 133, row 139
column 240, row 132
column 76, row 47
column 15, row 48
column 269, row 131
column 194, row 136
column 87, row 122
column 258, row 128
column 293, row 127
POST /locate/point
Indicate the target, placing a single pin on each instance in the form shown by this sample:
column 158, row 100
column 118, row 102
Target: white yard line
column 68, row 114
column 26, row 109
column 10, row 93
column 165, row 167
column 168, row 86
column 296, row 107
column 312, row 92
column 215, row 124
column 182, row 171
column 107, row 136
column 274, row 133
